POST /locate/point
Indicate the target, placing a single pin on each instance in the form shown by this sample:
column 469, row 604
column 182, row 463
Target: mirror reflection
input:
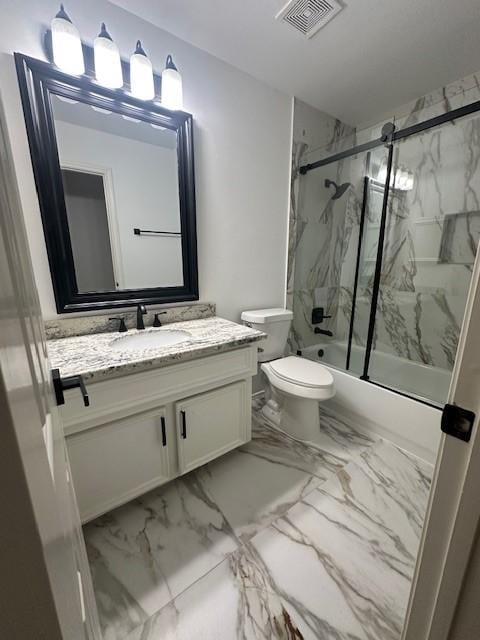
column 120, row 180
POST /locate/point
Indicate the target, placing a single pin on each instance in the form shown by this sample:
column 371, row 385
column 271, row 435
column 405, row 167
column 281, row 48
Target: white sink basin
column 149, row 340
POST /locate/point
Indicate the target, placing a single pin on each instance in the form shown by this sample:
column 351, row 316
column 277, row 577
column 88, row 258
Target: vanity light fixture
column 67, row 45
column 108, row 67
column 382, row 171
column 410, row 181
column 398, row 181
column 105, row 112
column 401, row 178
column 67, row 52
column 141, row 74
column 172, row 91
column 67, row 100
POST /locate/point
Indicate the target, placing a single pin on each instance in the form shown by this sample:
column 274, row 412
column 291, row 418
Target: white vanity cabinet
column 121, row 459
column 144, row 429
column 211, row 424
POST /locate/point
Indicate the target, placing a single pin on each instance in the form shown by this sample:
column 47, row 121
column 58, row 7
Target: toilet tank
column 276, row 324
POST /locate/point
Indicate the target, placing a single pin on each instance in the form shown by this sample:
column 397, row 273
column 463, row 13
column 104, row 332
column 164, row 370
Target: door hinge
column 457, row 422
column 82, row 599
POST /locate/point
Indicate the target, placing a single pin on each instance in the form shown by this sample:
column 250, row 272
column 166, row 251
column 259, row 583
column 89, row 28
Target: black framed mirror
column 116, row 186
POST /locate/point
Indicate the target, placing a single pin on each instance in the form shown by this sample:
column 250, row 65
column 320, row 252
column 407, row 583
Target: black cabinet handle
column 70, row 382
column 164, row 432
column 184, row 424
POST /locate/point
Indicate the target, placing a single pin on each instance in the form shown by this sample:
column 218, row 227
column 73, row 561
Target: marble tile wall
column 423, row 292
column 452, row 96
column 311, row 256
column 422, row 296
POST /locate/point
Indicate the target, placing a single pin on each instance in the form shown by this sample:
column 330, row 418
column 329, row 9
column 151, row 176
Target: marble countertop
column 93, row 357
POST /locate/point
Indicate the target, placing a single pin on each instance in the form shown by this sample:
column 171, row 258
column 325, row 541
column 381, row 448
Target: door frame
column 112, row 220
column 453, row 512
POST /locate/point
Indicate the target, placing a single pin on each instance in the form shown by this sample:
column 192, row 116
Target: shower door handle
column 457, row 422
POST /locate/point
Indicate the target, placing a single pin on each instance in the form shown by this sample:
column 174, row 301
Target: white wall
column 242, row 153
column 144, row 181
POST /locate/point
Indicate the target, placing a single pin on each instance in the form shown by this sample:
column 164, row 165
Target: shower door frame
column 390, row 136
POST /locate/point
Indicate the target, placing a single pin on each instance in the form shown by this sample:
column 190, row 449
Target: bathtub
column 411, row 425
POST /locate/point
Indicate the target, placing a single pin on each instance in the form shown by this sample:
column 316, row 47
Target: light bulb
column 402, row 179
column 67, row 100
column 382, row 171
column 101, row 110
column 108, row 67
column 172, row 91
column 141, row 74
column 66, row 44
column 409, row 182
column 394, row 177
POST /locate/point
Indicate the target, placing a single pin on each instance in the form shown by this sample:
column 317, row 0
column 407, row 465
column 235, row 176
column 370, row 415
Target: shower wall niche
column 431, row 230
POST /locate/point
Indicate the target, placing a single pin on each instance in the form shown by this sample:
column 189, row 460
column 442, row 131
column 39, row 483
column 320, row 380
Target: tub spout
column 324, row 332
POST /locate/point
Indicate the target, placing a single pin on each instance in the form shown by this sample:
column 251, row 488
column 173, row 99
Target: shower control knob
column 318, row 315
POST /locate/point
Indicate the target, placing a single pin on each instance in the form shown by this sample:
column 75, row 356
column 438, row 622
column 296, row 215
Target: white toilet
column 296, row 384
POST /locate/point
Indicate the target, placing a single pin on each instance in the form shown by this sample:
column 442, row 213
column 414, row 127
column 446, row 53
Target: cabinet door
column 211, row 424
column 116, row 462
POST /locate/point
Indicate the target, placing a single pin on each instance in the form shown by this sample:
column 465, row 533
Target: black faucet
column 325, row 332
column 141, row 311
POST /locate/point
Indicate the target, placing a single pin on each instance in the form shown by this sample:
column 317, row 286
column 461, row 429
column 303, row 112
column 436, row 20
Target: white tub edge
column 411, row 425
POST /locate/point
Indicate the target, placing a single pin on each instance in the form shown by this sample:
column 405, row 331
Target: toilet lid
column 302, row 371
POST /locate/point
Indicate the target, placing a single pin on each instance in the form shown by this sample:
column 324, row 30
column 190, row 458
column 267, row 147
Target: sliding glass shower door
column 431, row 238
column 386, row 238
column 366, row 247
column 332, row 215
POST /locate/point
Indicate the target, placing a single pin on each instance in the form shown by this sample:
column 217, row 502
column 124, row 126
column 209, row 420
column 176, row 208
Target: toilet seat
column 300, row 378
column 303, row 372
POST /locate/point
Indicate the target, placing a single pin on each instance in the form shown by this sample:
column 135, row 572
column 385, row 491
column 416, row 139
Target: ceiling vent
column 308, row 16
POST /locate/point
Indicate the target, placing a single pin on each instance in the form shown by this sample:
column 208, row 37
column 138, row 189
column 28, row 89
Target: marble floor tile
column 233, row 601
column 257, row 483
column 277, row 540
column 406, row 478
column 351, row 546
column 144, row 554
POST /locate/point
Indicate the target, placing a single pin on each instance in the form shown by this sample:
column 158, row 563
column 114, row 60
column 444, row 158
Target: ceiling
column 374, row 55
